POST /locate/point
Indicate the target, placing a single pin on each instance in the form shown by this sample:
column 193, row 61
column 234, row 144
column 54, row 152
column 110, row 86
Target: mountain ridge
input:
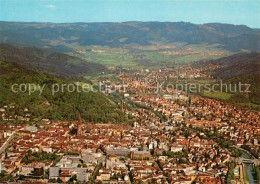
column 118, row 34
column 50, row 62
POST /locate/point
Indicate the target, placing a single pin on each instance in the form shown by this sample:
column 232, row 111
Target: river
column 248, row 170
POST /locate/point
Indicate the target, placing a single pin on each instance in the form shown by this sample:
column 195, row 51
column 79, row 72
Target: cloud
column 50, row 6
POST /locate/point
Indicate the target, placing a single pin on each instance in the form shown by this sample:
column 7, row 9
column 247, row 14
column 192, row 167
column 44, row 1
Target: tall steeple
column 122, row 105
column 79, row 128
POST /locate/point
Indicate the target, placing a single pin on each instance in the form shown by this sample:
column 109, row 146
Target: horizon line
column 119, row 22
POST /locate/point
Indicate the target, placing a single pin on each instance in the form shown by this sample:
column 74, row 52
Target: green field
column 217, row 95
column 248, row 106
column 146, row 56
column 110, row 59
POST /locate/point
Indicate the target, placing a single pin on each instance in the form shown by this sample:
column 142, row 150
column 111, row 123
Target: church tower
column 79, row 128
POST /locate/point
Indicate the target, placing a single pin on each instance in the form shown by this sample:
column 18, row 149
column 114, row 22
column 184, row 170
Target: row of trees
column 40, row 157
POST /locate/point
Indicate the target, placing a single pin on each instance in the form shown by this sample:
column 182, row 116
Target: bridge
column 242, row 160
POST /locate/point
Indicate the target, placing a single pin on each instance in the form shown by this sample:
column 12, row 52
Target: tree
column 114, row 177
column 73, row 178
column 230, row 175
column 52, row 181
column 59, row 180
column 153, row 180
column 21, row 177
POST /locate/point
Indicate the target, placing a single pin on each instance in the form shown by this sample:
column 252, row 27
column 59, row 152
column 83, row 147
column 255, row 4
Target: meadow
column 156, row 56
column 217, row 95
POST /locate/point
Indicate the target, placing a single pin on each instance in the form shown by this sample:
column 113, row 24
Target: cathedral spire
column 79, row 128
column 79, row 118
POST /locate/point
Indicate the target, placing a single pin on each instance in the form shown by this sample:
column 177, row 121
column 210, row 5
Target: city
column 198, row 140
column 130, row 92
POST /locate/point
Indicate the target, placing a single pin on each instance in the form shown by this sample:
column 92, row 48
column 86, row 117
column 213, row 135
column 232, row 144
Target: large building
column 140, row 155
column 54, row 173
column 120, row 151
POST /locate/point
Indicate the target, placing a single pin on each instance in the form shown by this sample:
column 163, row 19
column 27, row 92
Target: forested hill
column 241, row 64
column 94, row 107
column 241, row 68
column 59, row 36
column 48, row 61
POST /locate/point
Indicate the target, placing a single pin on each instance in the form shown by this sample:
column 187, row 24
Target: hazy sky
column 245, row 12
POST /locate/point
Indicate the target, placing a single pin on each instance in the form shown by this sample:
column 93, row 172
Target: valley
column 129, row 102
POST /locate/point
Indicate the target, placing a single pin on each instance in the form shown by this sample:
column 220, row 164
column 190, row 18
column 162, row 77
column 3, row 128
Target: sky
column 239, row 12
